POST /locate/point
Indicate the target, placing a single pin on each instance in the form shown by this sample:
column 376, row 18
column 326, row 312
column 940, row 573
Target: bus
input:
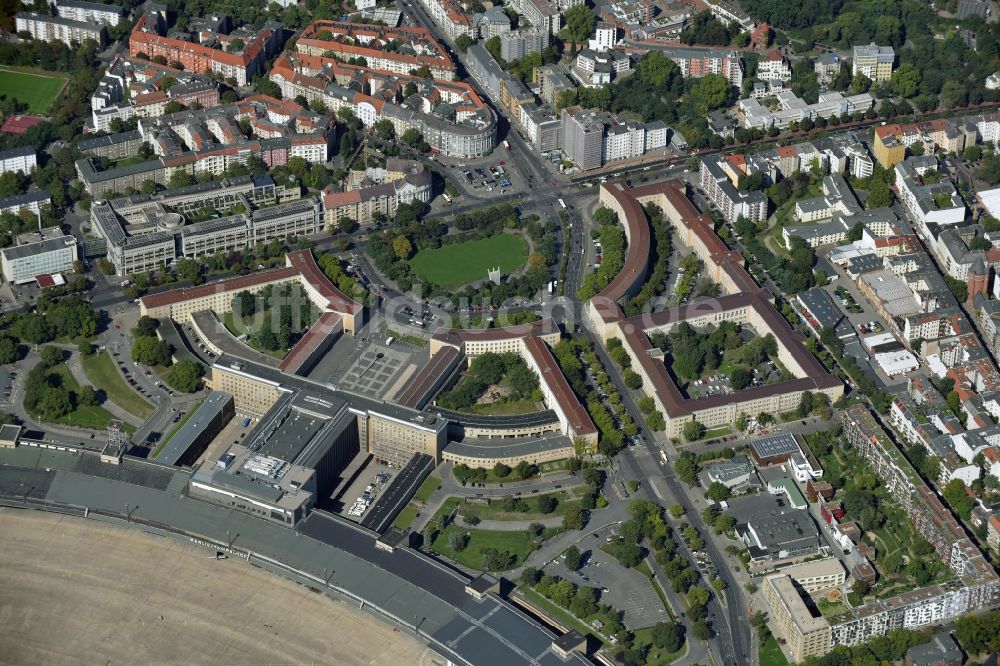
column 562, row 203
column 446, row 197
column 663, row 455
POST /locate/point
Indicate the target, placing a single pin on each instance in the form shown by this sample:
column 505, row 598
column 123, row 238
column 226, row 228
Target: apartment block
column 733, row 203
column 873, row 61
column 57, row 29
column 237, row 54
column 593, row 138
column 378, row 193
column 516, row 44
column 18, row 159
column 806, row 634
column 412, row 48
column 89, row 12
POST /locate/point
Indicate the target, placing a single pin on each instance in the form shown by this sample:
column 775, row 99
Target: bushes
column 488, row 369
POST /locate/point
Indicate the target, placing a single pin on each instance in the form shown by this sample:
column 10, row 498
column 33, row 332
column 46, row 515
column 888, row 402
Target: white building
column 928, row 203
column 57, row 29
column 604, row 37
column 23, row 263
column 18, row 159
column 89, row 12
column 774, row 67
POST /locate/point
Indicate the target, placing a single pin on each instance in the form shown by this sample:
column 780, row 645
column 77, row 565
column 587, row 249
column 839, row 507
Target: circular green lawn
column 461, row 263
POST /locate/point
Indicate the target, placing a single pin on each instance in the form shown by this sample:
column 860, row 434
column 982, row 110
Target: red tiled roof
column 302, row 264
column 308, row 343
column 429, row 375
column 639, row 243
column 175, row 296
column 553, row 377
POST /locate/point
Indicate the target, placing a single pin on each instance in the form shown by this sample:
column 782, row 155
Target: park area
column 488, row 550
column 36, row 90
column 462, row 263
column 101, row 372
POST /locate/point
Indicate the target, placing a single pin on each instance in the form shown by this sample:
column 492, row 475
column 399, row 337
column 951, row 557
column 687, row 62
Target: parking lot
column 354, row 501
column 626, row 589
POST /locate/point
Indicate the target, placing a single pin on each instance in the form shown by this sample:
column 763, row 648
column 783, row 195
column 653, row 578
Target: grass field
column 405, row 518
column 494, row 510
column 38, row 91
column 101, row 371
column 94, row 418
column 770, row 654
column 461, row 263
column 518, row 543
column 427, row 488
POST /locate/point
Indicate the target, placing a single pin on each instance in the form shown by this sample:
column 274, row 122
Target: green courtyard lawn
column 770, row 654
column 240, row 328
column 405, row 518
column 461, row 263
column 93, row 418
column 100, row 370
column 427, row 488
column 37, row 89
column 516, row 542
column 657, row 656
column 494, row 510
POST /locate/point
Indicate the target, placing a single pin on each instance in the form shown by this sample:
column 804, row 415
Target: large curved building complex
column 744, row 303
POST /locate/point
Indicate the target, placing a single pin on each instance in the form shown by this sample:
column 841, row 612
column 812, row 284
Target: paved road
column 732, row 635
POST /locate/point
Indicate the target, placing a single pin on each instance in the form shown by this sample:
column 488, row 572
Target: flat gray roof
column 494, row 448
column 31, row 249
column 192, row 429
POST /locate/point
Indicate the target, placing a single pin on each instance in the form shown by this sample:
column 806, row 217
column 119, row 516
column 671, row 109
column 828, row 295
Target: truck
column 562, row 203
column 506, row 145
column 389, row 340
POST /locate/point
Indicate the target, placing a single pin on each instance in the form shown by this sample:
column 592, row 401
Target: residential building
column 719, row 187
column 47, row 28
column 837, row 198
column 132, row 88
column 18, row 159
column 697, row 62
column 452, row 17
column 378, row 193
column 591, row 138
column 817, row 575
column 941, row 650
column 873, row 61
column 238, row 54
column 24, row 263
column 211, row 140
column 598, row 68
column 806, row 633
column 33, row 201
column 449, row 114
column 792, row 109
column 516, row 44
column 827, row 67
column 89, row 12
column 774, row 67
column 928, row 202
column 494, row 22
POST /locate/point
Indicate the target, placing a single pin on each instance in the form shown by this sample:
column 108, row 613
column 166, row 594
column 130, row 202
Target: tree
column 739, row 378
column 87, row 396
column 151, row 351
column 9, row 351
column 668, row 636
column 698, row 596
column 463, row 42
column 575, row 518
column 708, row 93
column 958, row 499
column 85, row 348
column 693, row 430
column 677, row 510
column 572, row 558
column 686, row 467
column 904, row 80
column 546, row 503
column 717, row 492
column 51, row 356
column 632, row 379
column 189, row 270
column 267, row 87
column 185, row 376
column 180, row 179
column 457, row 541
column 580, row 22
column 500, row 470
column 402, row 247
